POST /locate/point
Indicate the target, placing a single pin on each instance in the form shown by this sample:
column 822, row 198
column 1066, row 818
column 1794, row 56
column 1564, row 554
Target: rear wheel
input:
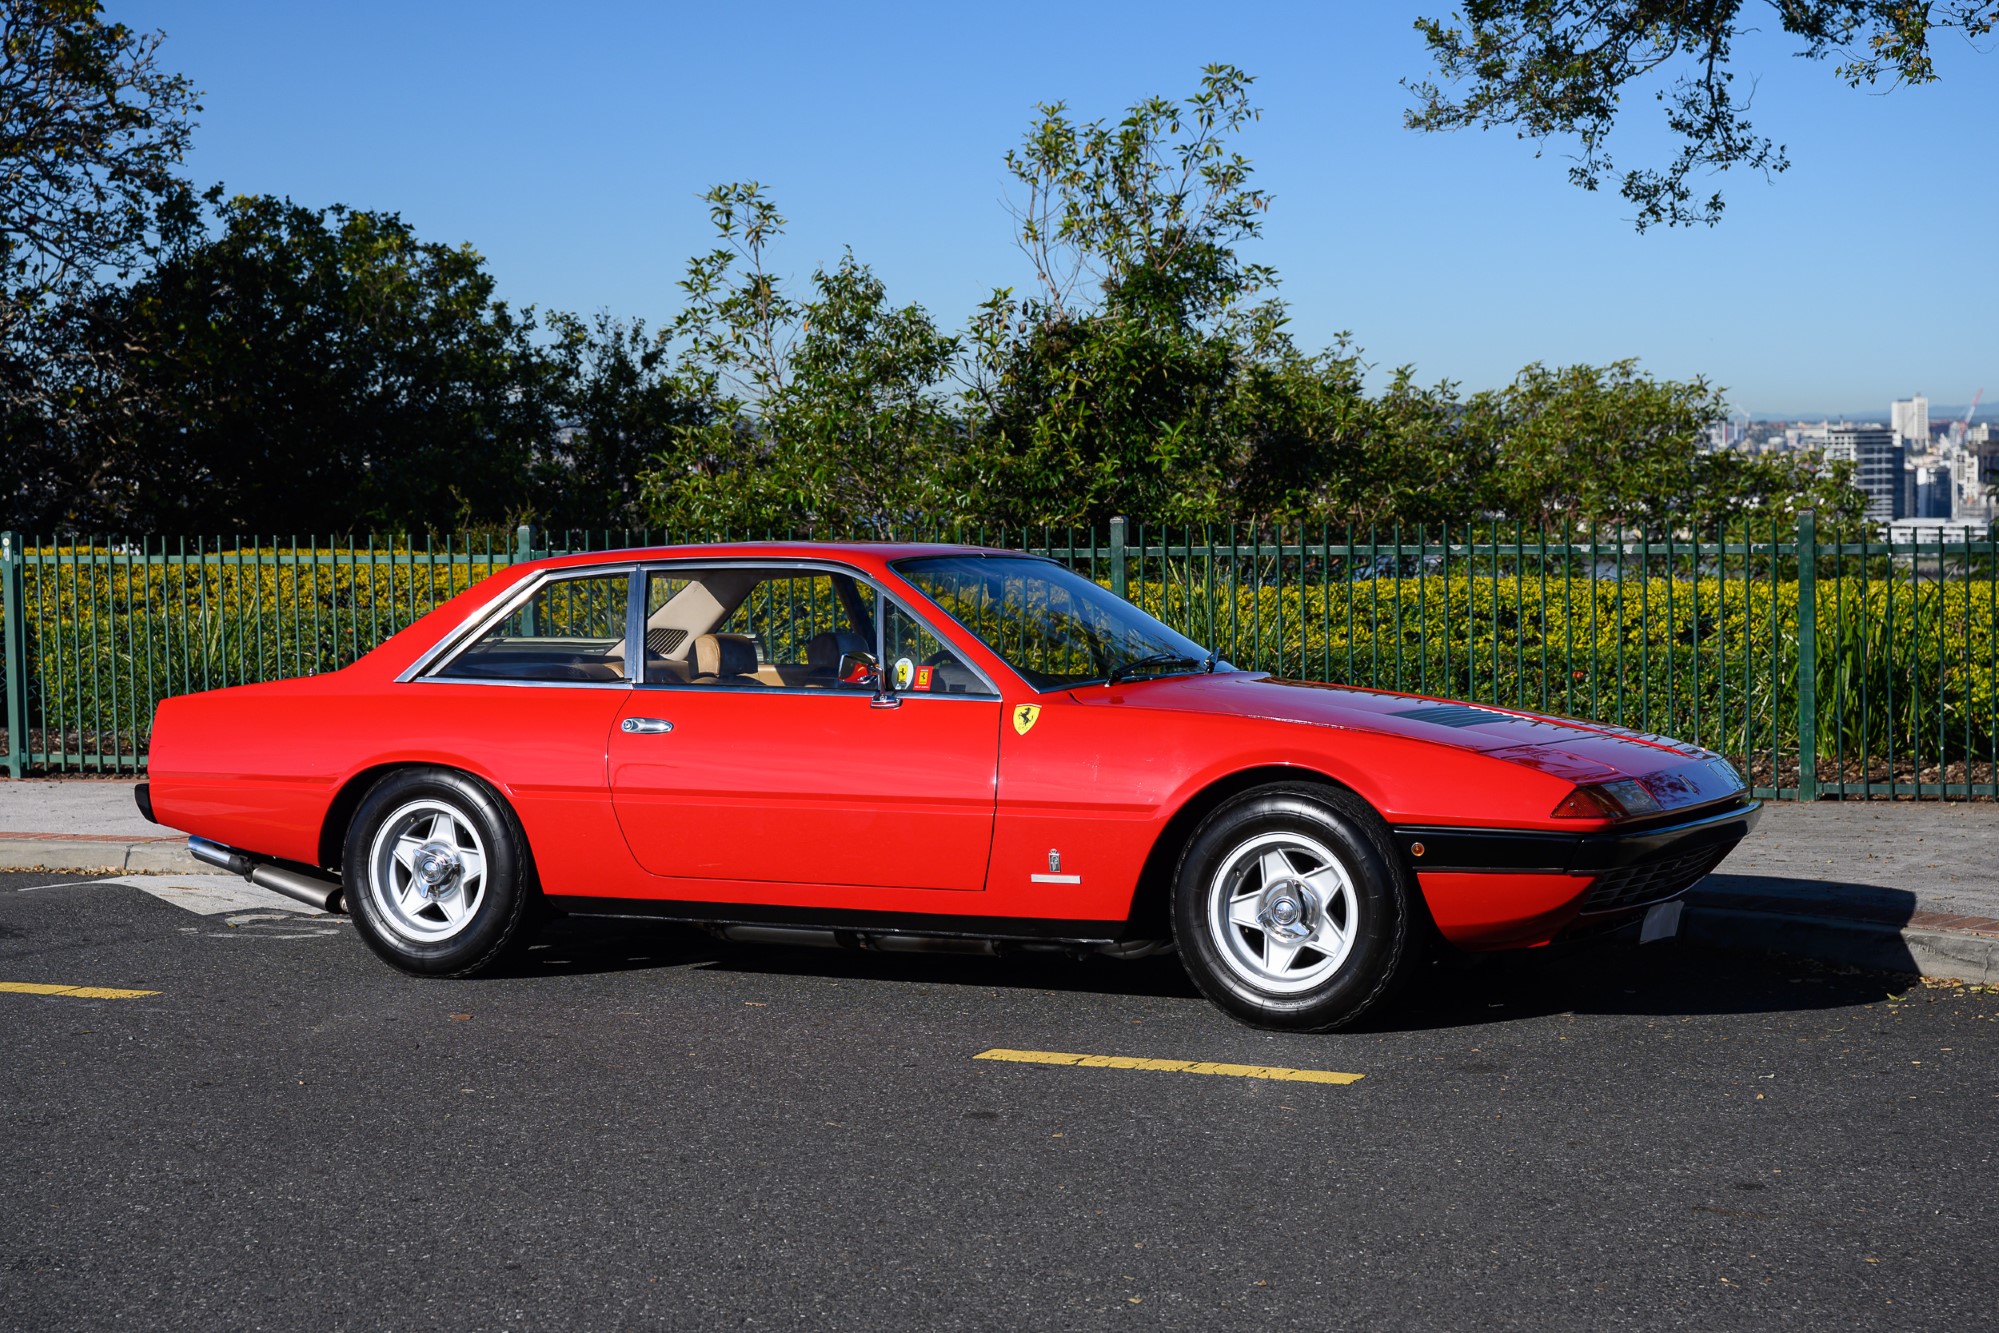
column 437, row 874
column 1289, row 908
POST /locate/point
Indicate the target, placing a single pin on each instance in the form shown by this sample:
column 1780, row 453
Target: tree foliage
column 270, row 366
column 315, row 369
column 619, row 403
column 1113, row 387
column 1562, row 69
column 820, row 410
column 92, row 131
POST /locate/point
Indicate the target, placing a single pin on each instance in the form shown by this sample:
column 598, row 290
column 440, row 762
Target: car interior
column 733, row 627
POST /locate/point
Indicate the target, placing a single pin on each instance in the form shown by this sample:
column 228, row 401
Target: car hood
column 1567, row 748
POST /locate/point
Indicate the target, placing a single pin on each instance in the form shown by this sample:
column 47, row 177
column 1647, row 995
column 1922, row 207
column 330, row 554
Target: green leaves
column 1148, row 210
column 821, row 410
column 283, row 367
column 1552, row 69
column 302, row 369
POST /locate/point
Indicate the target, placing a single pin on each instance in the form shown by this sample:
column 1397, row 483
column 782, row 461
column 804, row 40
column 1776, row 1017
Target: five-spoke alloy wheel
column 427, row 870
column 1289, row 908
column 437, row 874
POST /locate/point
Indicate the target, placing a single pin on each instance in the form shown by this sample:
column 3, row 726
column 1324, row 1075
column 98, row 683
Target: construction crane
column 1958, row 433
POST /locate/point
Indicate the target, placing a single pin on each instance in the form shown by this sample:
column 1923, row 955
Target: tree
column 620, row 401
column 821, row 411
column 1108, row 390
column 91, row 133
column 311, row 369
column 1604, row 444
column 1562, row 68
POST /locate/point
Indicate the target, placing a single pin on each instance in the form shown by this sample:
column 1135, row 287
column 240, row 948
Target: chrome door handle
column 645, row 726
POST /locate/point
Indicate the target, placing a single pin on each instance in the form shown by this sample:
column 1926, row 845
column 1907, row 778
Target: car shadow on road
column 1610, row 976
column 1621, row 978
column 582, row 945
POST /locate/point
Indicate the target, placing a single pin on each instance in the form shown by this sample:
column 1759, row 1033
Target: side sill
column 935, row 925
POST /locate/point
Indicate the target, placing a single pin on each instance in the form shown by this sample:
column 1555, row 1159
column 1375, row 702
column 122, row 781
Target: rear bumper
column 1497, row 888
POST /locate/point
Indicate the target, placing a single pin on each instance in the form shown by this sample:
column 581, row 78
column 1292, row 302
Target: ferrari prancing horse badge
column 1025, row 716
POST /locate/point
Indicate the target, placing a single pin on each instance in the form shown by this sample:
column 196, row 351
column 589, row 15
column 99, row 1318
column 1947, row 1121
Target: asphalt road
column 640, row 1126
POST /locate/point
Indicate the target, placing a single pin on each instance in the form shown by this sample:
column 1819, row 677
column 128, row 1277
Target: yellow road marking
column 1168, row 1066
column 74, row 992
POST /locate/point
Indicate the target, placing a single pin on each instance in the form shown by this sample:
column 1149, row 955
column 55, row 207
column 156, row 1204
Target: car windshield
column 1051, row 625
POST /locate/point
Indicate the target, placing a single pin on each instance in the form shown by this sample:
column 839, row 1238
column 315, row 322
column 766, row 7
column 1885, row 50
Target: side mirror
column 859, row 669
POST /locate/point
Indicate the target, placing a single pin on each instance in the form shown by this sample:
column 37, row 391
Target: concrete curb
column 82, row 852
column 1958, row 955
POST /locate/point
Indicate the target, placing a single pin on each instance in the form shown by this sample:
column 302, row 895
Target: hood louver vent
column 1451, row 715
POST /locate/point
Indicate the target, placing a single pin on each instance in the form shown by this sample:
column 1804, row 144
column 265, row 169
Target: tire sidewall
column 1382, row 909
column 503, row 904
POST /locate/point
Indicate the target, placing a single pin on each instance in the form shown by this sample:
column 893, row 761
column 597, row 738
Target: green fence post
column 524, row 552
column 16, row 633
column 1119, row 575
column 1808, row 651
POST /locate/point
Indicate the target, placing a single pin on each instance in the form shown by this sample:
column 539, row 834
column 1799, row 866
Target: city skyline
column 571, row 156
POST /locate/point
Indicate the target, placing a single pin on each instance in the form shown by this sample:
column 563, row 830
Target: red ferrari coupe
column 919, row 747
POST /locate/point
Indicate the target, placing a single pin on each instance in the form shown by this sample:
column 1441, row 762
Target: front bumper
column 1496, row 888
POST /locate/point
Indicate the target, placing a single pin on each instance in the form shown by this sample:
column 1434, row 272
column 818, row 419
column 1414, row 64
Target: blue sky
column 570, row 144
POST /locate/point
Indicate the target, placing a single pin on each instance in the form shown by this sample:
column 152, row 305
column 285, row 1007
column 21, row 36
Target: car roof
column 871, row 555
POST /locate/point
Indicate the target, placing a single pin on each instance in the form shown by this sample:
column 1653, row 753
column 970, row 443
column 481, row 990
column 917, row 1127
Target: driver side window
column 742, row 627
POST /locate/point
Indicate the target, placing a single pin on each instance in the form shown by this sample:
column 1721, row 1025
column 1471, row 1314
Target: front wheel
column 1289, row 908
column 437, row 874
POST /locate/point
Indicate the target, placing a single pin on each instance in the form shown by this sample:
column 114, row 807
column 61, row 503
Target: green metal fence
column 1861, row 669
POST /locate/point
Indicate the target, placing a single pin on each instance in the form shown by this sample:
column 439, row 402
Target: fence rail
column 1862, row 669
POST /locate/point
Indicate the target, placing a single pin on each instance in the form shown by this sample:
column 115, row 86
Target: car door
column 734, row 780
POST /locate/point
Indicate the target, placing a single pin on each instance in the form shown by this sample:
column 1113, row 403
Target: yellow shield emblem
column 1025, row 716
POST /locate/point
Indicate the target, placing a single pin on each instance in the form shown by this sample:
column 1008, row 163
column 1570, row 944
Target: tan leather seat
column 726, row 659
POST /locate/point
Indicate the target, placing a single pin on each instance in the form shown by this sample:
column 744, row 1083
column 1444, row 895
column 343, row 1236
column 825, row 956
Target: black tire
column 1345, row 883
column 470, row 924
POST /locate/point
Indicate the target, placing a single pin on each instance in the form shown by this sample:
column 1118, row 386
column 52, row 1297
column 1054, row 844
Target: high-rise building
column 1935, row 489
column 1978, row 466
column 1876, row 454
column 1910, row 418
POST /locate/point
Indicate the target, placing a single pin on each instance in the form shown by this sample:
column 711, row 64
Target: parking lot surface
column 219, row 1114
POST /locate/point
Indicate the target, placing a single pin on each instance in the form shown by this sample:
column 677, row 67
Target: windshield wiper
column 1118, row 673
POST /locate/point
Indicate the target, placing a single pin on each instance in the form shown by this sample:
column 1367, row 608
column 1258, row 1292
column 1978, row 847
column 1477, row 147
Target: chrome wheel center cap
column 436, row 866
column 1289, row 910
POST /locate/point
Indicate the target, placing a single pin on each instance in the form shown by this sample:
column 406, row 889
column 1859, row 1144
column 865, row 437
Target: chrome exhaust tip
column 324, row 894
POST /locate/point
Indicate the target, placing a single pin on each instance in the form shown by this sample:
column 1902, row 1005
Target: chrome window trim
column 882, row 594
column 523, row 684
column 439, row 656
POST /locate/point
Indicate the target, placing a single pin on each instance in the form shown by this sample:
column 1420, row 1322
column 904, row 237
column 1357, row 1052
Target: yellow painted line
column 73, row 992
column 1168, row 1066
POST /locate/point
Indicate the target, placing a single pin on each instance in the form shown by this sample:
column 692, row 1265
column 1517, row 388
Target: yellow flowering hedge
column 110, row 635
column 1900, row 662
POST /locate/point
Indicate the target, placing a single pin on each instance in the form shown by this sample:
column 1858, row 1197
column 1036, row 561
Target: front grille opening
column 1652, row 881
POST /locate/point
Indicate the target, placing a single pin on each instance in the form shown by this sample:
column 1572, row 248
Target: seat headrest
column 725, row 655
column 823, row 651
